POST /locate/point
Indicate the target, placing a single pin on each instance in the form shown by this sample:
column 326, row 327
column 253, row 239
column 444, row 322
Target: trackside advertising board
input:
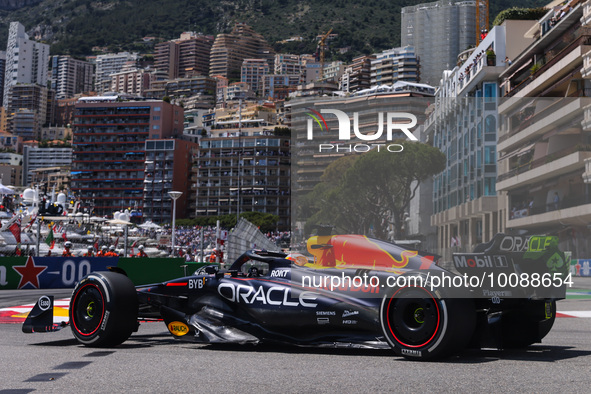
column 64, row 272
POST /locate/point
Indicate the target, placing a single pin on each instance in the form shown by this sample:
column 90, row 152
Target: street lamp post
column 174, row 195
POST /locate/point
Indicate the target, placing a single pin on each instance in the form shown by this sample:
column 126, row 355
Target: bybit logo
column 407, row 123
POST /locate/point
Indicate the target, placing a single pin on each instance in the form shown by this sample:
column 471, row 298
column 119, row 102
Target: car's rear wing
column 517, row 266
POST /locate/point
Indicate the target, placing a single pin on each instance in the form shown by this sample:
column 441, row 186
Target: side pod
column 40, row 319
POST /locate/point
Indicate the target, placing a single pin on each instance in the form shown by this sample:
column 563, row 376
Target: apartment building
column 467, row 209
column 70, row 76
column 544, row 140
column 357, row 75
column 35, row 158
column 243, row 167
column 110, row 64
column 185, row 57
column 167, row 168
column 229, row 51
column 396, row 64
column 253, row 72
column 27, row 61
column 109, row 148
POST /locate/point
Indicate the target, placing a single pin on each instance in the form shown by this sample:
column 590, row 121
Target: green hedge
column 520, row 14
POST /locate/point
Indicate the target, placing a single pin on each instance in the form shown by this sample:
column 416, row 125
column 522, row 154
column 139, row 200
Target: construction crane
column 482, row 22
column 321, row 48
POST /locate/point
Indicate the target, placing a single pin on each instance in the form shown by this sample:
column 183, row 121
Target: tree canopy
column 371, row 193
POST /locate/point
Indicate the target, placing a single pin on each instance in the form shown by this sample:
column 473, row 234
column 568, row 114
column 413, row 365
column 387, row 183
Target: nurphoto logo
column 392, row 121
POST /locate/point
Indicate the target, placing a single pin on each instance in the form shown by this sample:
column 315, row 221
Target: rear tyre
column 422, row 324
column 103, row 309
column 529, row 324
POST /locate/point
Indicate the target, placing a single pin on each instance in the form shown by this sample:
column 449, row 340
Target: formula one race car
column 356, row 291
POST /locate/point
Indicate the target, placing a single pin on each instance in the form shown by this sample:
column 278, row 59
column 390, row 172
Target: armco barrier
column 64, row 272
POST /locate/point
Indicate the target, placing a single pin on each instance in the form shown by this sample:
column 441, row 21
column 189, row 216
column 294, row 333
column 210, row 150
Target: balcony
column 569, row 212
column 551, row 166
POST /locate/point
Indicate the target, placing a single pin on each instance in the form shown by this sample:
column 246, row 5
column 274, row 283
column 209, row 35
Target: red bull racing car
column 353, row 290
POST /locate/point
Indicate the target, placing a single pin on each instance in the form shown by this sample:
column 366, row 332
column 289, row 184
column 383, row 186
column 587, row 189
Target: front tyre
column 421, row 324
column 103, row 309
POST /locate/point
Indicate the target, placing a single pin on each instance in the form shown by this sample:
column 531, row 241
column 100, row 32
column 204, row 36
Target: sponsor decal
column 326, row 313
column 44, row 303
column 274, row 295
column 323, row 320
column 347, row 313
column 497, row 293
column 279, row 273
column 349, row 321
column 178, row 328
column 411, row 352
column 104, row 323
column 480, row 261
column 29, row 273
column 196, row 283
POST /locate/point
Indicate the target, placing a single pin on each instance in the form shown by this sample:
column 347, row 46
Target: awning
column 519, row 152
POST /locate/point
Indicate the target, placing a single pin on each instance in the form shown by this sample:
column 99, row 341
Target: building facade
column 27, row 61
column 70, row 76
column 188, row 56
column 35, row 158
column 439, row 31
column 109, row 149
column 396, row 64
column 544, row 140
column 110, row 64
column 167, row 168
column 229, row 51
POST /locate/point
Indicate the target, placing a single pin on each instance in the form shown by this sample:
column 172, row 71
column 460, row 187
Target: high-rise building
column 2, row 72
column 357, row 75
column 110, row 64
column 185, row 57
column 109, row 149
column 288, row 64
column 135, row 81
column 243, row 167
column 26, row 60
column 396, row 64
column 253, row 72
column 544, row 137
column 27, row 109
column 35, row 158
column 439, row 31
column 229, row 51
column 167, row 168
column 70, row 76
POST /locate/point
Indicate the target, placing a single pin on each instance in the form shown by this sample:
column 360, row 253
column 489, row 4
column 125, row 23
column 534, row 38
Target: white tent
column 6, row 190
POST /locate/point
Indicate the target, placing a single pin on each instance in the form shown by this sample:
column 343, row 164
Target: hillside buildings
column 110, row 64
column 185, row 57
column 229, row 51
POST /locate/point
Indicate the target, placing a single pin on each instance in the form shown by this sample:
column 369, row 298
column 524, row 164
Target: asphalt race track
column 151, row 361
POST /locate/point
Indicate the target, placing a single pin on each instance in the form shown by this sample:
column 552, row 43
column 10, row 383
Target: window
column 490, row 92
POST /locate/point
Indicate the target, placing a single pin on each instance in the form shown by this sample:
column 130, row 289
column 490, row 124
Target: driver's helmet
column 67, row 244
column 297, row 258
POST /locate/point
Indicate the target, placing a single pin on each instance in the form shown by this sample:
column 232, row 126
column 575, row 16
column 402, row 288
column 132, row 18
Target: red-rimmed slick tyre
column 422, row 324
column 103, row 309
